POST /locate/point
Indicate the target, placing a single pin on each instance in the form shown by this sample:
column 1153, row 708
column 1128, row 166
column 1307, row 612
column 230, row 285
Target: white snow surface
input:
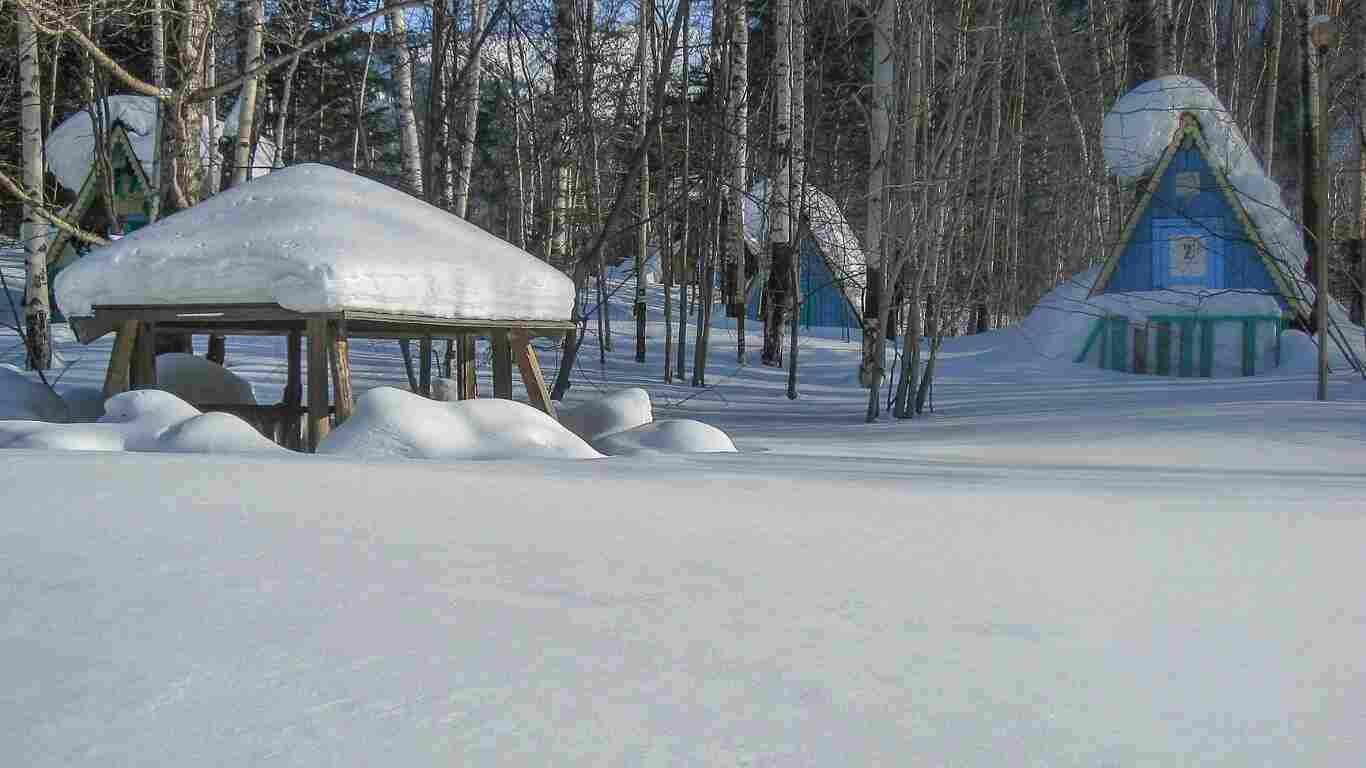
column 391, row 423
column 1140, row 126
column 614, row 412
column 316, row 239
column 844, row 254
column 666, row 436
column 25, row 397
column 1053, row 565
column 197, row 379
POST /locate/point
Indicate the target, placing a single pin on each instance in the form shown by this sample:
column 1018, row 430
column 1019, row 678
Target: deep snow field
column 1059, row 566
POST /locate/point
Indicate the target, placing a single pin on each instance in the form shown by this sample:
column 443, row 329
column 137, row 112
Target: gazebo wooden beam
column 530, row 368
column 318, row 343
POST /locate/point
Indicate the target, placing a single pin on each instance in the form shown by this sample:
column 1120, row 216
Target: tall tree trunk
column 469, row 118
column 798, row 179
column 557, row 132
column 1275, row 34
column 253, row 20
column 409, row 148
column 1360, row 249
column 685, row 199
column 33, row 231
column 783, row 245
column 738, row 133
column 643, row 194
column 879, row 137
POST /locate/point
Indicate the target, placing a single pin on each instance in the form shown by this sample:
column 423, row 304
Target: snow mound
column 830, row 229
column 1140, row 126
column 616, row 412
column 392, row 423
column 667, row 436
column 143, row 420
column 200, row 380
column 1057, row 326
column 316, row 239
column 624, row 271
column 24, row 398
column 215, row 433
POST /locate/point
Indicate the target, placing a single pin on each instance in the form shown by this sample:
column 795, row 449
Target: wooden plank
column 340, row 352
column 116, row 378
column 144, row 373
column 1249, row 347
column 318, row 424
column 424, row 366
column 530, row 368
column 502, row 366
column 467, row 373
column 291, row 426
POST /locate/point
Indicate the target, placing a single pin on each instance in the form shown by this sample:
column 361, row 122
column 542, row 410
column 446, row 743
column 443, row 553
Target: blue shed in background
column 824, row 300
column 1190, row 234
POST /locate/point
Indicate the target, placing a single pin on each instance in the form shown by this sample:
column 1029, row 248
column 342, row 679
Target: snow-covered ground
column 1059, row 566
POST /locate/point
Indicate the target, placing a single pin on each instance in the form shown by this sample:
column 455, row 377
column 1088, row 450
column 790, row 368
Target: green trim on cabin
column 1119, row 341
column 1096, row 329
column 1187, row 364
column 1206, row 349
column 1164, row 348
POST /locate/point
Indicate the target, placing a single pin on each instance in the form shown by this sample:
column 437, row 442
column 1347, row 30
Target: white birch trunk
column 254, row 11
column 879, row 134
column 410, row 149
column 643, row 195
column 738, row 133
column 33, row 231
column 469, row 118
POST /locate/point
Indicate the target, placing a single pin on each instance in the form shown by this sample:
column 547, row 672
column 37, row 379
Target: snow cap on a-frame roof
column 1139, row 128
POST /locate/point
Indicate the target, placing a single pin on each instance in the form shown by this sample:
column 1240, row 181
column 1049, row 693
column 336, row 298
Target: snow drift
column 315, row 239
column 666, row 436
column 392, row 423
column 622, row 423
column 144, row 420
column 24, row 398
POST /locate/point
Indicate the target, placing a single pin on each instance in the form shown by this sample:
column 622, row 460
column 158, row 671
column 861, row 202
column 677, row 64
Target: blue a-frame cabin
column 1189, row 231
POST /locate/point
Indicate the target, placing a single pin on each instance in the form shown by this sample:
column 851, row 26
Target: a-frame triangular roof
column 118, row 137
column 1188, row 133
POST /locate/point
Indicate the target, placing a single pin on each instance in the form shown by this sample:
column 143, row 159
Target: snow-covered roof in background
column 316, row 239
column 70, row 148
column 1140, row 126
column 839, row 243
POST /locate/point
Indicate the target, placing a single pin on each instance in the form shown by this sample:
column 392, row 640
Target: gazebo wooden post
column 468, row 376
column 530, row 368
column 502, row 365
column 294, row 392
column 340, row 350
column 116, row 379
column 424, row 368
column 144, row 373
column 317, row 381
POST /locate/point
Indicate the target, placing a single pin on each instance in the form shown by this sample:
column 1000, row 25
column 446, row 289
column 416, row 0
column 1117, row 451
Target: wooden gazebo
column 132, row 289
column 133, row 362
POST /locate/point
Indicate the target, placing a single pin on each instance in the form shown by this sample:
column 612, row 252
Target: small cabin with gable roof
column 1191, row 282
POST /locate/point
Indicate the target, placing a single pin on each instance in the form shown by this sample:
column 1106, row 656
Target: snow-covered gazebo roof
column 314, row 239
